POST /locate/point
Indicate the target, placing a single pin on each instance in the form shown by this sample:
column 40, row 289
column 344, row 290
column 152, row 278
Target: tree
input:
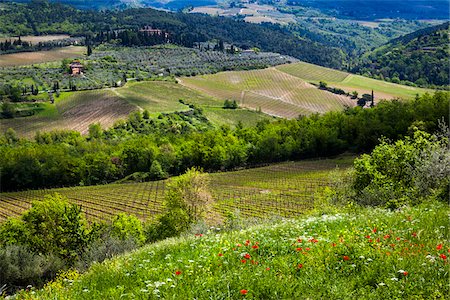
column 89, row 50
column 354, row 94
column 187, row 200
column 323, row 85
column 95, row 131
column 8, row 110
column 156, row 171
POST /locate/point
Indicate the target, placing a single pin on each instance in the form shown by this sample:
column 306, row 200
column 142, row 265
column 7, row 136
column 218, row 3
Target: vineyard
column 269, row 90
column 350, row 82
column 285, row 189
column 75, row 111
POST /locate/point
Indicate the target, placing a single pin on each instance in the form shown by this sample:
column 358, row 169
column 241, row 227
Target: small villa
column 76, row 68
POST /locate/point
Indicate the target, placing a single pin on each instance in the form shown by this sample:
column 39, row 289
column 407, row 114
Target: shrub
column 51, row 226
column 408, row 170
column 187, row 201
column 125, row 227
column 21, row 267
column 103, row 249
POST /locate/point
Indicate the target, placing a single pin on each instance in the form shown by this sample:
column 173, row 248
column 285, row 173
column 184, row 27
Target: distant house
column 151, row 31
column 76, row 68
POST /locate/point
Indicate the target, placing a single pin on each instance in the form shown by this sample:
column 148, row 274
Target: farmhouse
column 76, row 68
column 151, row 31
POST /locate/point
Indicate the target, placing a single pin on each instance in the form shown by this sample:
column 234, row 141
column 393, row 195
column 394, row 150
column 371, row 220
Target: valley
column 224, row 149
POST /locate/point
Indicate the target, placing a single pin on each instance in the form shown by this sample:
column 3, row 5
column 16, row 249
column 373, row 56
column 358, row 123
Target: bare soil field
column 27, row 58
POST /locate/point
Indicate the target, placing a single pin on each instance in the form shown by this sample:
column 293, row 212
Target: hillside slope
column 42, row 17
column 421, row 57
column 368, row 254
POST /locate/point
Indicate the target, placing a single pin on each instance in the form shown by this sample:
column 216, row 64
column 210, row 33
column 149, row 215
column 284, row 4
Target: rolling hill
column 421, row 57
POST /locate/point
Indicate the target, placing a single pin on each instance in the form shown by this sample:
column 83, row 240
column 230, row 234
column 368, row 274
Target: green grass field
column 361, row 254
column 350, row 82
column 285, row 189
column 270, row 90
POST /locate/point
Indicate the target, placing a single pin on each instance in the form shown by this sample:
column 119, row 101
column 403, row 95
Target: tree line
column 179, row 141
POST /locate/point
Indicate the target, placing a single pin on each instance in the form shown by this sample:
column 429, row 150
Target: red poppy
column 398, row 239
column 346, row 258
column 307, row 249
column 313, row 240
column 443, row 256
column 439, row 247
column 299, row 249
column 178, row 272
column 247, row 256
column 300, row 241
column 220, row 254
column 367, row 236
column 300, row 266
column 333, row 245
column 386, row 236
column 244, row 292
column 239, row 245
column 374, row 230
column 247, row 242
column 414, row 234
column 255, row 246
column 243, row 261
column 405, row 273
column 267, row 269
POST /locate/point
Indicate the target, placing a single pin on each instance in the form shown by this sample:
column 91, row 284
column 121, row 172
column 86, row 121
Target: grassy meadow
column 350, row 82
column 357, row 253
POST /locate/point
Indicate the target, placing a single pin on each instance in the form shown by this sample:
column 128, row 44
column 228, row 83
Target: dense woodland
column 178, row 141
column 420, row 58
column 40, row 17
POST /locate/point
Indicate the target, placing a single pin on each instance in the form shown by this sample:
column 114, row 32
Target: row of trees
column 184, row 140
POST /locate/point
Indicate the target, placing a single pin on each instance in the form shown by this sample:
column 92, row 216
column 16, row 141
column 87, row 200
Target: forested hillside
column 41, row 17
column 420, row 58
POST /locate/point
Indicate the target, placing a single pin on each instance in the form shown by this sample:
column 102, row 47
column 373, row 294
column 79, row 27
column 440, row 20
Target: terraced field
column 270, row 90
column 285, row 189
column 350, row 82
column 27, row 58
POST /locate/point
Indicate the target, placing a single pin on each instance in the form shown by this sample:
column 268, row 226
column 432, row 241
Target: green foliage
column 393, row 174
column 230, row 104
column 419, row 58
column 125, row 227
column 50, row 226
column 156, row 171
column 21, row 267
column 187, row 201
